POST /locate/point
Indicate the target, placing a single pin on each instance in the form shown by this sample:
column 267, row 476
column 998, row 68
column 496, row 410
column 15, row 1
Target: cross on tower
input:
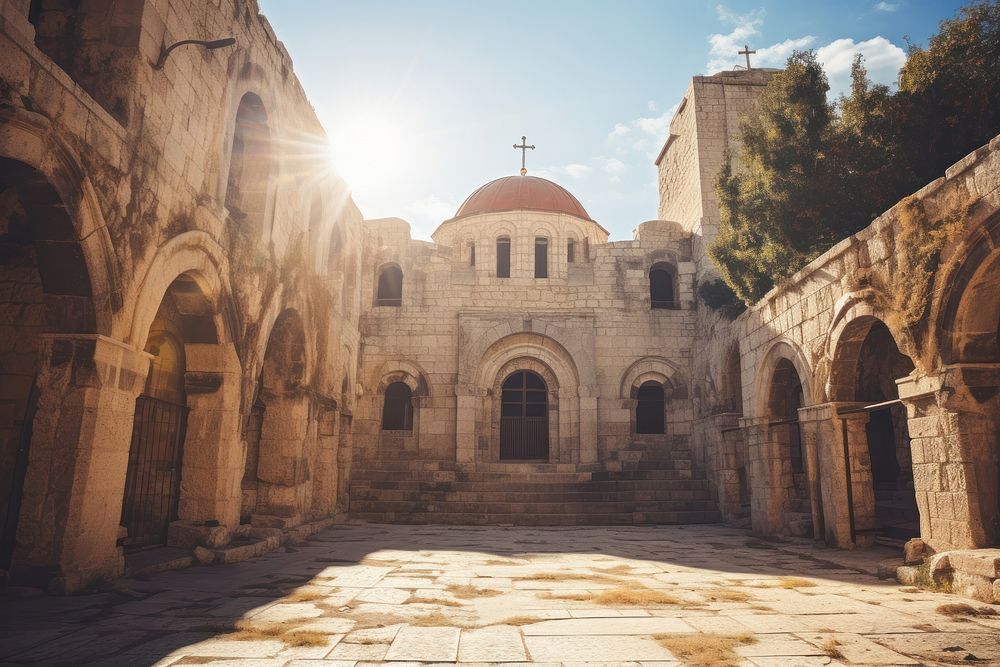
column 524, row 148
column 746, row 52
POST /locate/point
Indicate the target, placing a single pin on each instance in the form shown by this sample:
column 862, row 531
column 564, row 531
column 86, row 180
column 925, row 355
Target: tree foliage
column 812, row 173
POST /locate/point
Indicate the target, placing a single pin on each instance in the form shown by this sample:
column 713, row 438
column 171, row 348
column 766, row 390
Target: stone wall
column 140, row 159
column 819, row 319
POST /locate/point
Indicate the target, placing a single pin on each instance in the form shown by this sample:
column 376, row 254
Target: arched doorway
column 785, row 397
column 650, row 415
column 47, row 290
column 156, row 453
column 524, row 418
column 879, row 365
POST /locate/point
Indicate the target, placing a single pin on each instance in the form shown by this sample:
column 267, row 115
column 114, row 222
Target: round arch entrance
column 524, row 418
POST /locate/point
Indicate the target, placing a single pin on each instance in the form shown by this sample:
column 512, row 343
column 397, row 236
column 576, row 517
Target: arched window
column 472, row 253
column 249, row 164
column 570, row 251
column 503, row 257
column 390, row 287
column 541, row 257
column 397, row 410
column 662, row 282
column 649, row 410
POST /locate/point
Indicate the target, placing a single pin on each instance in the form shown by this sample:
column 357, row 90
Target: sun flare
column 370, row 151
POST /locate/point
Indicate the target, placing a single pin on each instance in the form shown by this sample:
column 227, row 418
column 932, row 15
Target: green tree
column 778, row 211
column 811, row 174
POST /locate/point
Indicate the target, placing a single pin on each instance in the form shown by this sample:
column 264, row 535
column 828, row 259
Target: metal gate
column 153, row 480
column 524, row 420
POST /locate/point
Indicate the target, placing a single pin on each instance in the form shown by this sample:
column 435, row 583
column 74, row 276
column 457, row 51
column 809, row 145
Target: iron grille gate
column 524, row 421
column 153, row 480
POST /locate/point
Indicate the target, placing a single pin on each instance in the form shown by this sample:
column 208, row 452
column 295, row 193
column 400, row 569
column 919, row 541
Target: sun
column 371, row 151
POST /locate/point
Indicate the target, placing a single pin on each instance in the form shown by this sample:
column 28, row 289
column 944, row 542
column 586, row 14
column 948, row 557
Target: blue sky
column 424, row 99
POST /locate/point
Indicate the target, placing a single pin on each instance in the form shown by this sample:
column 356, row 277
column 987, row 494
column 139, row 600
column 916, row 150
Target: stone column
column 466, row 401
column 725, row 458
column 767, row 473
column 952, row 423
column 72, row 501
column 843, row 507
column 325, row 469
column 214, row 456
column 588, row 425
column 345, row 460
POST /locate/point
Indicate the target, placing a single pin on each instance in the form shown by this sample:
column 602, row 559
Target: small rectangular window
column 503, row 258
column 570, row 251
column 472, row 254
column 541, row 258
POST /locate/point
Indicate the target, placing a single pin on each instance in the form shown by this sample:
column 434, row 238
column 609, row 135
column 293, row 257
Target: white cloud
column 612, row 165
column 652, row 105
column 620, row 130
column 642, row 135
column 882, row 60
column 576, row 170
column 430, row 211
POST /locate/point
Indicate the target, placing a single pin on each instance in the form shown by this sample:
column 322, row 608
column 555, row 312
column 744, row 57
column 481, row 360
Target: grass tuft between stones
column 706, row 648
column 962, row 609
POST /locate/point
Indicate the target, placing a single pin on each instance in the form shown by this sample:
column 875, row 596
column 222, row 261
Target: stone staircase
column 643, row 484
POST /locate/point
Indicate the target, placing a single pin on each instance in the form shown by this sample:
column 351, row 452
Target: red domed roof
column 512, row 193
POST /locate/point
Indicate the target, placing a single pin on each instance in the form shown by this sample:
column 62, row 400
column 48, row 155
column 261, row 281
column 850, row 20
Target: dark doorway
column 153, row 481
column 524, row 418
column 880, row 364
column 649, row 410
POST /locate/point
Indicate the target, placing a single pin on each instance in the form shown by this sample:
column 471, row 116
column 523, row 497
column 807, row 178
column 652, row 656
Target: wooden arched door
column 524, row 418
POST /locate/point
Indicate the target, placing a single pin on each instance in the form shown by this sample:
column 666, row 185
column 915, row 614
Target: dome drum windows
column 503, row 257
column 541, row 257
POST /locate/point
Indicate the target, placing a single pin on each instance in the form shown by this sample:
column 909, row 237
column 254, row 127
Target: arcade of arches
column 203, row 344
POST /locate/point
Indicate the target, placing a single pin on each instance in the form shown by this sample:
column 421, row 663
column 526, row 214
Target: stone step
column 595, row 486
column 406, row 516
column 648, row 501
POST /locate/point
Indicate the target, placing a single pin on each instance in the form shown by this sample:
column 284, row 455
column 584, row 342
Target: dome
column 512, row 193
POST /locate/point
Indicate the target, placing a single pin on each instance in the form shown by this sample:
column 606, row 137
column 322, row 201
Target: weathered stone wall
column 819, row 319
column 140, row 158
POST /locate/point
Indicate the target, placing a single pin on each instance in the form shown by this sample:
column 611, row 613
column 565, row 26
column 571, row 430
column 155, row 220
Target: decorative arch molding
column 528, row 364
column 194, row 253
column 558, row 345
column 779, row 350
column 963, row 333
column 528, row 346
column 30, row 138
column 662, row 256
column 278, row 305
column 656, row 369
column 851, row 326
column 407, row 372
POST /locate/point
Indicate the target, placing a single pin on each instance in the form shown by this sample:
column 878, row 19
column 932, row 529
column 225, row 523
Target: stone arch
column 551, row 380
column 48, row 291
column 657, row 369
column 966, row 322
column 533, row 350
column 406, row 372
column 648, row 371
column 193, row 253
column 29, row 138
column 781, row 350
column 866, row 363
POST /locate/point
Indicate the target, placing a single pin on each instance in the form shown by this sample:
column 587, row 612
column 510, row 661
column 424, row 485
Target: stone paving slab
column 352, row 584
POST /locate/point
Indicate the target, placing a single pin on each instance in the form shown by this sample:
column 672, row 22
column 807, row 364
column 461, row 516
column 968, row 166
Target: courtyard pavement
column 360, row 594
